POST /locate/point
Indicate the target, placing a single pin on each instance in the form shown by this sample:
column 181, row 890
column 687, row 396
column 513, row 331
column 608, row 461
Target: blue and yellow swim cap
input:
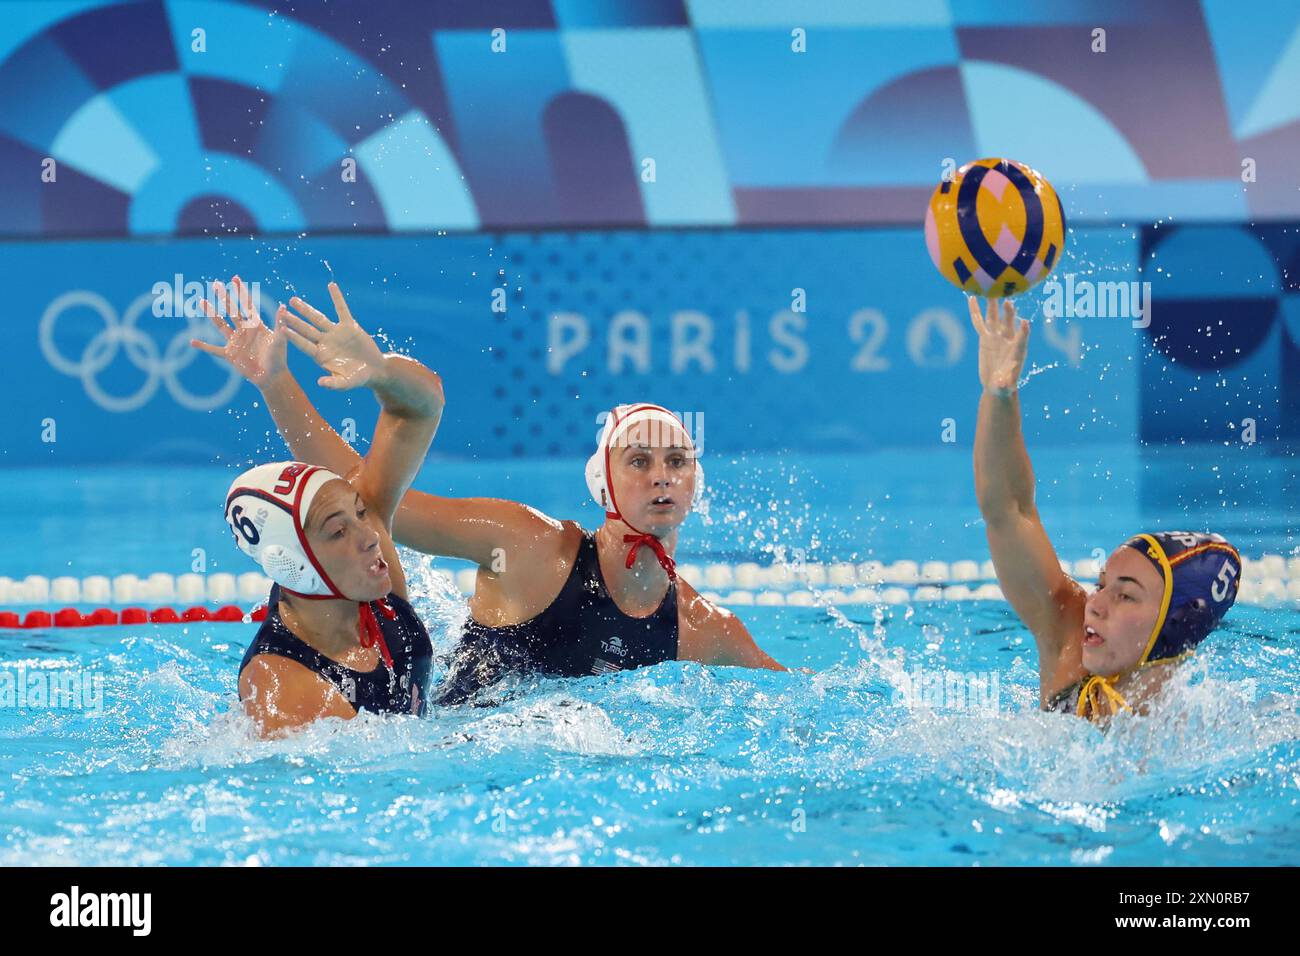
column 1201, row 573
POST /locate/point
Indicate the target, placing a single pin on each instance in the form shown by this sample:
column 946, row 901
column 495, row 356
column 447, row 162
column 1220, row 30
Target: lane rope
column 1270, row 580
column 101, row 616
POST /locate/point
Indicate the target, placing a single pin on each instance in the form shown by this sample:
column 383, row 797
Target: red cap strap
column 370, row 632
column 665, row 562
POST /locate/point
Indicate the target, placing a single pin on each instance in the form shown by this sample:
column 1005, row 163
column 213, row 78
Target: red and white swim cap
column 266, row 508
column 617, row 424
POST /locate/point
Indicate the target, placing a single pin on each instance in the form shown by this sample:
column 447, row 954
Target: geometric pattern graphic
column 1223, row 344
column 200, row 117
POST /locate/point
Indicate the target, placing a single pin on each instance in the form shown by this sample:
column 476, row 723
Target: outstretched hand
column 342, row 348
column 1004, row 342
column 258, row 353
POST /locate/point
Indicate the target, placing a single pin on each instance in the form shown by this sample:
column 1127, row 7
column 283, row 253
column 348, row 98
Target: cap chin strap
column 1097, row 686
column 368, row 632
column 1090, row 695
column 653, row 543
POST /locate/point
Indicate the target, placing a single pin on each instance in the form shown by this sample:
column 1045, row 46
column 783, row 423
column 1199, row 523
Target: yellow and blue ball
column 996, row 229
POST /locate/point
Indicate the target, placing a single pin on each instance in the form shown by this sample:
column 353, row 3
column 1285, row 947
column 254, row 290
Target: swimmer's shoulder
column 548, row 547
column 561, row 548
column 696, row 614
column 1063, row 701
column 517, row 587
column 281, row 694
column 1058, row 638
column 534, row 532
column 692, row 606
column 712, row 634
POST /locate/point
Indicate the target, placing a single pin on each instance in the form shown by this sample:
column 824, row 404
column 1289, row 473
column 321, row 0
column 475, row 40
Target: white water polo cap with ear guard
column 266, row 508
column 617, row 424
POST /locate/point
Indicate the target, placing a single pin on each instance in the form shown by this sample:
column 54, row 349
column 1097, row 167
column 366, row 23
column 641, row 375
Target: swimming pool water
column 677, row 763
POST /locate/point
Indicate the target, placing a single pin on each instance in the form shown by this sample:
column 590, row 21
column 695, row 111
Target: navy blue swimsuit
column 1066, row 701
column 403, row 690
column 581, row 632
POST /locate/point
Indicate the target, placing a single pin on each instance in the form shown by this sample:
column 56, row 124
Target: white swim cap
column 266, row 507
column 617, row 423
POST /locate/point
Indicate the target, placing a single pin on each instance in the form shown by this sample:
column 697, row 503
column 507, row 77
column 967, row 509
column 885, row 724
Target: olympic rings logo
column 118, row 335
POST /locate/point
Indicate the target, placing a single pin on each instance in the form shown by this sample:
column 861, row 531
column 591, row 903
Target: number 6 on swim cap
column 266, row 507
column 617, row 423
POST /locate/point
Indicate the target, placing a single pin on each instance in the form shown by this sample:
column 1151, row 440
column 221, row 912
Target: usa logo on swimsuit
column 612, row 646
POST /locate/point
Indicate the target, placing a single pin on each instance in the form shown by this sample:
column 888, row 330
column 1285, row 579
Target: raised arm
column 410, row 397
column 475, row 529
column 309, row 437
column 1048, row 600
column 260, row 355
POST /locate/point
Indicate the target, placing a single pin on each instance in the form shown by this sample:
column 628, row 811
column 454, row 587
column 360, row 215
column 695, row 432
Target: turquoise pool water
column 675, row 763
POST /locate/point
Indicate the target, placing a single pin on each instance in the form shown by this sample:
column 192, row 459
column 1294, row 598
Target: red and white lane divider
column 160, row 588
column 128, row 589
column 71, row 617
column 1270, row 580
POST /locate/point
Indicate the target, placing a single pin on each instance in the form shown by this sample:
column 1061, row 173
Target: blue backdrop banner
column 816, row 340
